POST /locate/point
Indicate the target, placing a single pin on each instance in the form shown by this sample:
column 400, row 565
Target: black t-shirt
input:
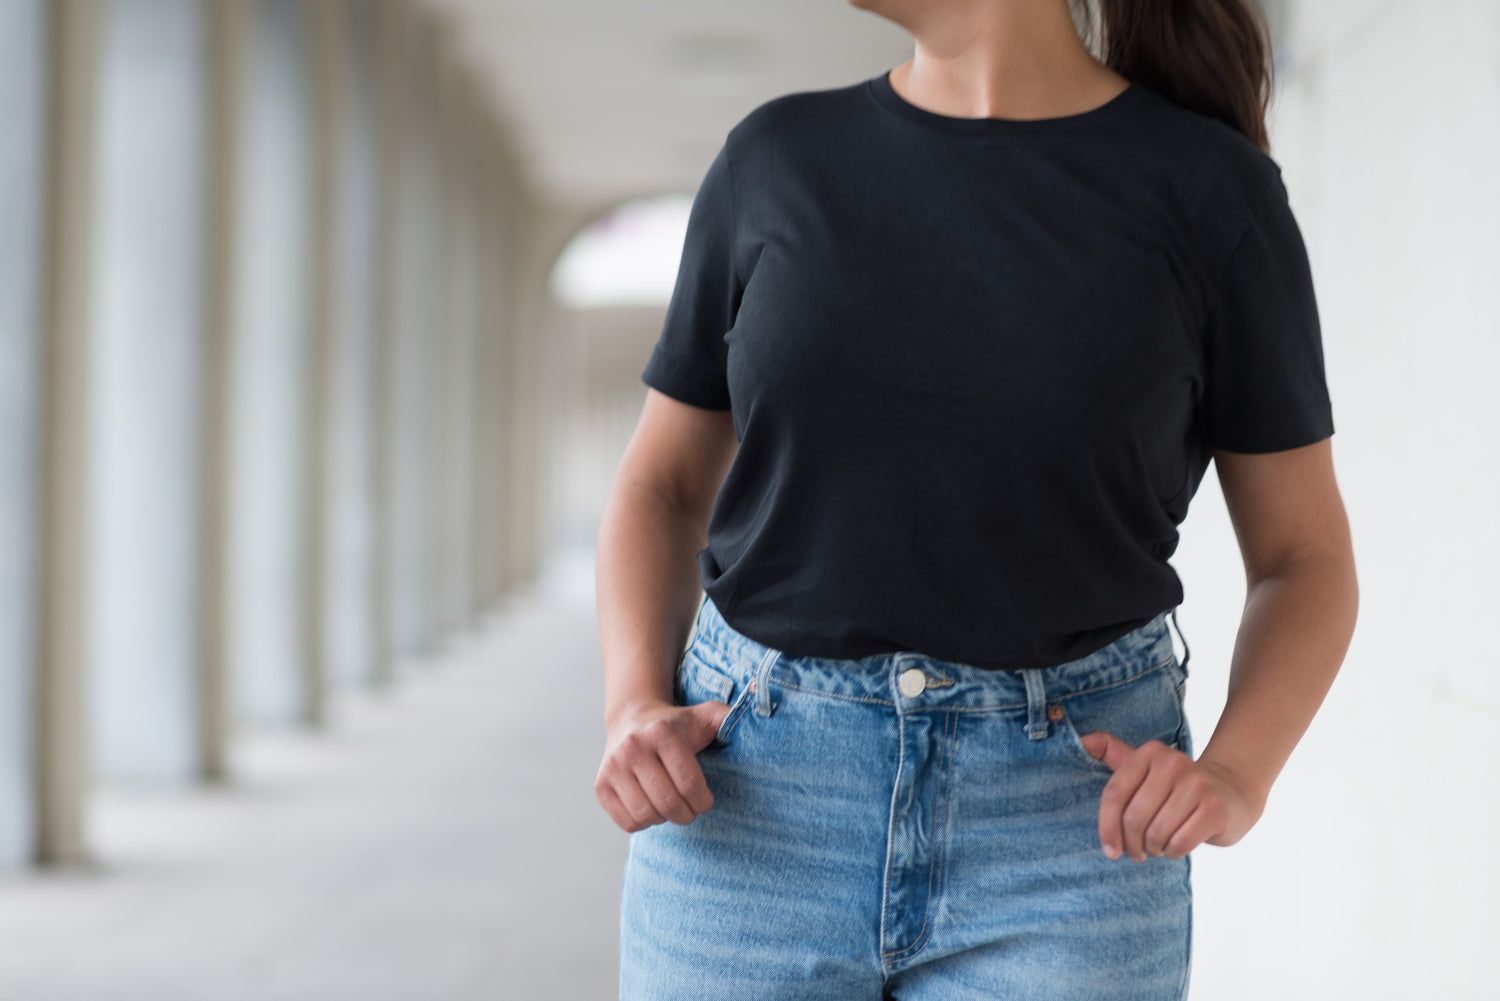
column 976, row 366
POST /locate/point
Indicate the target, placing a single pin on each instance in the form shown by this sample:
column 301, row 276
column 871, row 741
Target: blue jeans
column 903, row 827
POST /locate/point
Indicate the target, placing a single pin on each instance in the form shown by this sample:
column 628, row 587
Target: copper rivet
column 1054, row 712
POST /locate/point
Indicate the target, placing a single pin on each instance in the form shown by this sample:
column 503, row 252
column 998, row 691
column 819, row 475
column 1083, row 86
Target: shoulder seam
column 1223, row 268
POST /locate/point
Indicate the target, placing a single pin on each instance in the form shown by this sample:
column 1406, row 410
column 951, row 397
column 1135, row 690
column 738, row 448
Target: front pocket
column 736, row 710
column 700, row 681
column 1073, row 741
column 1145, row 708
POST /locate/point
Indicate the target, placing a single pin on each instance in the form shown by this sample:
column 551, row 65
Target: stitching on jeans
column 972, row 709
column 763, row 670
column 712, row 677
column 835, row 695
column 1075, row 745
column 935, row 867
column 1187, row 961
column 890, row 842
column 1116, row 684
column 732, row 718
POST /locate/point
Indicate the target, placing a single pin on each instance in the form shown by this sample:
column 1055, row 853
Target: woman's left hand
column 1159, row 801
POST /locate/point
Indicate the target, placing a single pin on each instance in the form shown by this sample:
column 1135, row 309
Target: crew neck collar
column 879, row 87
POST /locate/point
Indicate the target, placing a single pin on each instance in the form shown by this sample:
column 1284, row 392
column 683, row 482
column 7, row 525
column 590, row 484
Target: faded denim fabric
column 904, row 827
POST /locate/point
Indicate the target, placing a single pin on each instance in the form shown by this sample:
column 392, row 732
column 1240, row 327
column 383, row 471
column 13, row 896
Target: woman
column 948, row 355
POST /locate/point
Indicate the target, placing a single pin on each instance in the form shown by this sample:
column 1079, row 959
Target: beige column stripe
column 61, row 731
column 328, row 52
column 227, row 40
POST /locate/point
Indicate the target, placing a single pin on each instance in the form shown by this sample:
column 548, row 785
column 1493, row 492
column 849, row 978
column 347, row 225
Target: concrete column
column 502, row 196
column 450, row 342
column 390, row 39
column 23, row 187
column 348, row 513
column 416, row 560
column 441, row 343
column 61, row 731
column 528, row 271
column 227, row 21
column 463, row 282
column 327, row 73
column 485, row 385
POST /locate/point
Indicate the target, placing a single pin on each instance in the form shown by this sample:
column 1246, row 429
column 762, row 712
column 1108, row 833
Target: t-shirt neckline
column 879, row 87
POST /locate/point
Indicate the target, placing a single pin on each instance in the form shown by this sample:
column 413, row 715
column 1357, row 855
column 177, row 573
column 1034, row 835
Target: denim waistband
column 943, row 684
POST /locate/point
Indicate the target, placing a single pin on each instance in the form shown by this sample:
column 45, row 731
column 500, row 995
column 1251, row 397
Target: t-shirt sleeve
column 1266, row 388
column 688, row 362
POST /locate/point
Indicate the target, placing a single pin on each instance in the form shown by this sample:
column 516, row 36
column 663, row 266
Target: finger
column 704, row 720
column 1108, row 748
column 1118, row 792
column 610, row 800
column 1196, row 829
column 637, row 804
column 1154, row 791
column 1179, row 806
column 687, row 776
column 661, row 790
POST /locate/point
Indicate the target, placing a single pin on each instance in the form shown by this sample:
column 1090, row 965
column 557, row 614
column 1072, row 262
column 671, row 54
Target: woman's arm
column 1301, row 602
column 655, row 520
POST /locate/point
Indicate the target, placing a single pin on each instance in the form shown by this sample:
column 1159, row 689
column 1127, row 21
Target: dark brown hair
column 1213, row 56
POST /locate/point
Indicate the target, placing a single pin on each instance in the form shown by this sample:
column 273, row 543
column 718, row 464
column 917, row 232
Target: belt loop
column 763, row 703
column 1036, row 703
column 1185, row 652
column 697, row 626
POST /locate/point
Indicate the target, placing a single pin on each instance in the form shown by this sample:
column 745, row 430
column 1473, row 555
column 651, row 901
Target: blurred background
column 321, row 328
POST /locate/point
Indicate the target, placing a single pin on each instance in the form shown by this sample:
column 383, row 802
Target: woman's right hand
column 650, row 772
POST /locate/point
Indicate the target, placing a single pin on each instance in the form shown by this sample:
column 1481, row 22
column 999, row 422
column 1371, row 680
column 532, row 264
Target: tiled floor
column 438, row 841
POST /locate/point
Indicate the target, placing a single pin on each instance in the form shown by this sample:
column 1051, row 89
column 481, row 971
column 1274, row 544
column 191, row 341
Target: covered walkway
column 439, row 840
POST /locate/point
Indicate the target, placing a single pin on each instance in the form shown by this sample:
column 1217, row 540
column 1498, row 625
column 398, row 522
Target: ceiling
column 606, row 100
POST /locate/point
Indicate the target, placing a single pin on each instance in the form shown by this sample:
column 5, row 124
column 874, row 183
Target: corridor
column 323, row 327
column 439, row 841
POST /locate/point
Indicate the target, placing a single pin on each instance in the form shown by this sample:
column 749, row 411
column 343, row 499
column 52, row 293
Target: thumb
column 707, row 717
column 1106, row 747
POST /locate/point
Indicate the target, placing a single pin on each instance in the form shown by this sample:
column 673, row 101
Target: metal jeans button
column 912, row 682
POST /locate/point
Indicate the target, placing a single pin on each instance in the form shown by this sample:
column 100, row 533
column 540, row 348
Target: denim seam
column 737, row 710
column 717, row 680
column 1117, row 684
column 989, row 708
column 935, row 867
column 1078, row 737
column 835, row 695
column 890, row 830
column 761, row 681
column 1187, row 964
column 1181, row 717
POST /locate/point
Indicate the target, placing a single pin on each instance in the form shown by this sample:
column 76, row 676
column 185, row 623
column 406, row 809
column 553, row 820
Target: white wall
column 146, row 376
column 1373, row 872
column 271, row 345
